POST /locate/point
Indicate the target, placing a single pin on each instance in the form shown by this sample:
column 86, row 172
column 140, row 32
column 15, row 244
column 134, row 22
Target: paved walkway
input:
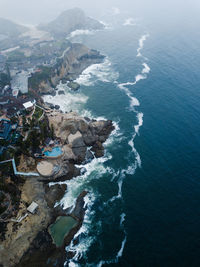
column 19, row 173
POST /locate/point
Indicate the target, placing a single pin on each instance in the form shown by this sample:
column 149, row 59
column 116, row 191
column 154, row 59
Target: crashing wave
column 80, row 32
column 129, row 22
column 141, row 44
column 98, row 72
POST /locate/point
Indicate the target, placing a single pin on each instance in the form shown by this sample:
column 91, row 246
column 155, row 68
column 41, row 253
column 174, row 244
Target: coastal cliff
column 24, row 234
column 29, row 240
column 69, row 66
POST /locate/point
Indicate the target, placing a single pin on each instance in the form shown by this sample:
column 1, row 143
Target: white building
column 33, row 207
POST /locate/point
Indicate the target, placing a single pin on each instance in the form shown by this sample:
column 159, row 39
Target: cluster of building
column 11, row 106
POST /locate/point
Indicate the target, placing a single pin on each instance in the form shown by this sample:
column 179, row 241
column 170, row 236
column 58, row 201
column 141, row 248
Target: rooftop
column 32, row 208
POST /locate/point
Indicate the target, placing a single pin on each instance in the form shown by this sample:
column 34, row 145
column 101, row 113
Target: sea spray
column 141, row 44
column 98, row 72
column 129, row 22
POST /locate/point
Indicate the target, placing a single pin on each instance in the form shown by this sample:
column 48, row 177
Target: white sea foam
column 141, row 44
column 115, row 136
column 130, row 22
column 98, row 72
column 120, row 252
column 106, row 25
column 122, row 219
column 146, row 68
column 133, row 100
column 130, row 170
column 137, row 157
column 80, row 32
column 116, row 259
column 69, row 101
column 140, row 122
column 141, row 76
column 84, row 240
column 95, row 170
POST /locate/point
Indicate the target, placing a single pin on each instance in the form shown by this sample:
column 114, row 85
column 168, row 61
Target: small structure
column 15, row 92
column 28, row 105
column 32, row 208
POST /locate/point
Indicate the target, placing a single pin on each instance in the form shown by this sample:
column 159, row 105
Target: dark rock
column 73, row 86
column 61, row 92
column 78, row 142
column 89, row 156
column 98, row 149
column 79, row 210
column 90, row 138
column 87, row 119
column 53, row 93
column 54, row 193
column 82, row 126
column 80, row 152
column 51, row 106
column 57, row 107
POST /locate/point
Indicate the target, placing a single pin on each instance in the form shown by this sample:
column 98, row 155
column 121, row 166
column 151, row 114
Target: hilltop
column 69, row 21
column 11, row 29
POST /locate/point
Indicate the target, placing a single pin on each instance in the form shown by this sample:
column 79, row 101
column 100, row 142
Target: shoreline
column 77, row 135
column 28, row 239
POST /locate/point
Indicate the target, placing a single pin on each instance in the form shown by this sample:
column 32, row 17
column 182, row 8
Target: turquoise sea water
column 144, row 195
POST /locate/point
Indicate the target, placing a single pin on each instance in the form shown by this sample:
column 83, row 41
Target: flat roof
column 32, row 208
column 28, row 104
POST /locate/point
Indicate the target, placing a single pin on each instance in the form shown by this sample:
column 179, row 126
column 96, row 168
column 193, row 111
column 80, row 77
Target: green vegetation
column 38, row 113
column 43, row 75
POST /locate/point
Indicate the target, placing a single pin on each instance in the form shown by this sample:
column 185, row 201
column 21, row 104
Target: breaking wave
column 85, row 241
column 80, row 32
column 97, row 167
column 141, row 44
column 120, row 252
column 134, row 102
column 129, row 22
column 67, row 101
column 98, row 72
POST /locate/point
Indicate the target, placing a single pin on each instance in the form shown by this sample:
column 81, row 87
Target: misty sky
column 36, row 11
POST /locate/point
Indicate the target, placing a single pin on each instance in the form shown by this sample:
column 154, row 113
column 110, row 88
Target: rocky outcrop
column 42, row 252
column 79, row 133
column 69, row 21
column 74, row 60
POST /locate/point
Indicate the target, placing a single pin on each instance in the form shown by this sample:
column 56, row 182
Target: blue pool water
column 56, row 151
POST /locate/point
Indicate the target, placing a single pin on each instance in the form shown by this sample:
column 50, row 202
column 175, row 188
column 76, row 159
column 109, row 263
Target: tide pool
column 60, row 229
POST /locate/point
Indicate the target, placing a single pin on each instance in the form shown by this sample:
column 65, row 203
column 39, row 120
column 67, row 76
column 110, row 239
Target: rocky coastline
column 29, row 241
column 75, row 59
column 25, row 240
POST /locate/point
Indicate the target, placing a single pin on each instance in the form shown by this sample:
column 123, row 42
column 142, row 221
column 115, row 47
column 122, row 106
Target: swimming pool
column 56, row 152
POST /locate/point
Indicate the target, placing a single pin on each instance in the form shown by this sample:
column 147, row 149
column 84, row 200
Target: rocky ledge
column 28, row 241
column 76, row 58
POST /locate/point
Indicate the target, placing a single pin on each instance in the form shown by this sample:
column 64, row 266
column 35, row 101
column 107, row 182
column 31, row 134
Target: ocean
column 144, row 194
